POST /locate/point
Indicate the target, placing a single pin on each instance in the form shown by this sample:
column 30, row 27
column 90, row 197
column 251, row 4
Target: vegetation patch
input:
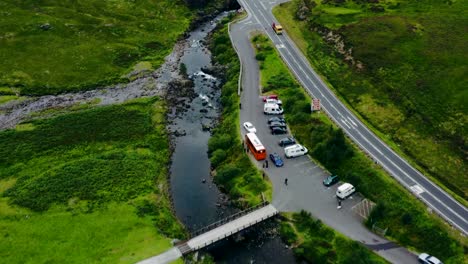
column 314, row 242
column 407, row 220
column 396, row 54
column 235, row 173
column 88, row 186
column 49, row 47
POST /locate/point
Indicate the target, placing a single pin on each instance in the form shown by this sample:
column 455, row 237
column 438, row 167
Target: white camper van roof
column 344, row 187
column 273, row 105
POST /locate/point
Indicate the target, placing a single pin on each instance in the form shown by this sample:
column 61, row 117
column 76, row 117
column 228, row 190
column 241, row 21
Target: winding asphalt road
column 304, row 190
column 260, row 17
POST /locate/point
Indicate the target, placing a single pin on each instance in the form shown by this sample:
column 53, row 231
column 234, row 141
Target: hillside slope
column 52, row 46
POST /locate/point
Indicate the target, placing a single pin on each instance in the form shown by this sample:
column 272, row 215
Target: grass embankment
column 234, row 171
column 87, row 187
column 406, row 218
column 316, row 243
column 408, row 78
column 54, row 46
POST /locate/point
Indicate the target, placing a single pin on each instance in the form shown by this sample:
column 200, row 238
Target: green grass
column 87, row 186
column 412, row 88
column 112, row 235
column 7, row 98
column 340, row 10
column 407, row 219
column 316, row 243
column 235, row 172
column 90, row 43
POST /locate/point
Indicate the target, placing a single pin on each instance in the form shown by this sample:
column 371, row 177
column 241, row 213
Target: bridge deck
column 214, row 235
column 232, row 227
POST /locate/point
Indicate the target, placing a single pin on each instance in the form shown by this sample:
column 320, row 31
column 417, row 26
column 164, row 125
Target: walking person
column 266, row 163
column 286, row 181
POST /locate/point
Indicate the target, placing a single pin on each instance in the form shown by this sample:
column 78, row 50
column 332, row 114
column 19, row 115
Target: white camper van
column 295, row 150
column 272, row 109
column 275, row 101
column 345, row 190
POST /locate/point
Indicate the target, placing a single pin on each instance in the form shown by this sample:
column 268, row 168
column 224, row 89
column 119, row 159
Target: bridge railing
column 227, row 219
column 234, row 231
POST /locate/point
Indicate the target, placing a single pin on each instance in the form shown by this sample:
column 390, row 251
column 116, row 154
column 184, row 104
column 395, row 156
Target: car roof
column 434, row 260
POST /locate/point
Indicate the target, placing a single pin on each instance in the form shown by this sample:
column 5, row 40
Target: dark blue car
column 330, row 180
column 276, row 160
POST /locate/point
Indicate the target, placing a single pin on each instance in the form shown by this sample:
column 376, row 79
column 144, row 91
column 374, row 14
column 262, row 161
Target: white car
column 249, row 127
column 428, row 259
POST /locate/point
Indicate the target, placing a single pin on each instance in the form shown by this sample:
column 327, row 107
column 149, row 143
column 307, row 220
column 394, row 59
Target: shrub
column 217, row 157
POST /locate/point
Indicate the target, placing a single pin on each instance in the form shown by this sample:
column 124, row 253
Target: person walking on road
column 266, row 163
column 286, row 181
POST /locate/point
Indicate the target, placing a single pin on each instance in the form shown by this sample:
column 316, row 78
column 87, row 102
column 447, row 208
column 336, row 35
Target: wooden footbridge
column 215, row 232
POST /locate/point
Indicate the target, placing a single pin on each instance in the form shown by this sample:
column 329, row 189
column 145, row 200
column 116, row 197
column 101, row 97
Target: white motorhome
column 295, row 150
column 272, row 109
column 345, row 190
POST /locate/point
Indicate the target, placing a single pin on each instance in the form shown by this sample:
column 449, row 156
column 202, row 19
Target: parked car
column 271, row 96
column 277, row 124
column 274, row 101
column 330, row 180
column 295, row 150
column 272, row 109
column 278, row 130
column 276, row 159
column 276, row 119
column 428, row 259
column 287, row 141
column 345, row 190
column 249, row 127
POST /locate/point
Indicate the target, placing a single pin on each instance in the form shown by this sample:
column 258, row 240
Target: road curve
column 304, row 190
column 433, row 196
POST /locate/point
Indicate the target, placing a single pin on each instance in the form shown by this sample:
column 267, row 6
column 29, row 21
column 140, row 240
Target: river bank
column 194, row 117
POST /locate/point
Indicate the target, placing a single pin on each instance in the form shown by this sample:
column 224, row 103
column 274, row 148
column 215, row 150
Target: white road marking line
column 417, row 189
column 344, row 122
column 349, row 118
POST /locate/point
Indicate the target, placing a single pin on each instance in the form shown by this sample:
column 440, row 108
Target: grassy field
column 235, row 172
column 316, row 243
column 87, row 187
column 52, row 46
column 409, row 77
column 406, row 218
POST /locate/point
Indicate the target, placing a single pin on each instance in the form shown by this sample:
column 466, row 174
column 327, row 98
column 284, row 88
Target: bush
column 217, row 157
